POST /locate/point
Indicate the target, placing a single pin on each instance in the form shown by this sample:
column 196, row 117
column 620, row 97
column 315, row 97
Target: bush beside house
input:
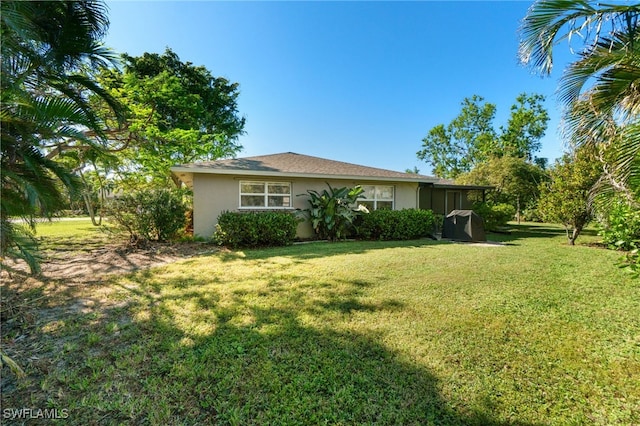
column 151, row 215
column 255, row 229
column 406, row 224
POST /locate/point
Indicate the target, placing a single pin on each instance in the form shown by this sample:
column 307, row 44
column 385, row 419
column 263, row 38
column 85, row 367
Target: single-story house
column 273, row 182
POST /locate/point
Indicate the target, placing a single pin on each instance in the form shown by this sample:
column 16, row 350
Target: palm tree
column 601, row 89
column 49, row 51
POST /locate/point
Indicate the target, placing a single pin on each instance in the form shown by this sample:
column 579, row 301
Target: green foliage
column 470, row 139
column 50, row 51
column 620, row 226
column 255, row 229
column 565, row 199
column 526, row 126
column 531, row 214
column 158, row 215
column 599, row 89
column 406, row 224
column 332, row 211
column 494, row 215
column 515, row 180
column 620, row 230
column 176, row 113
column 454, row 149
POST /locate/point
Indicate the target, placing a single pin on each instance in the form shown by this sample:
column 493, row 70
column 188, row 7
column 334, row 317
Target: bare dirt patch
column 91, row 265
column 69, row 288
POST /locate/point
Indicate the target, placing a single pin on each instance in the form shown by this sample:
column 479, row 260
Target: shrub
column 494, row 215
column 620, row 226
column 331, row 212
column 255, row 229
column 150, row 215
column 531, row 214
column 407, row 224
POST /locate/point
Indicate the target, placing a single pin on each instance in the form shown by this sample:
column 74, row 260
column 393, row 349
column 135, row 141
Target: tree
column 50, row 51
column 565, row 198
column 176, row 113
column 464, row 142
column 471, row 139
column 526, row 126
column 515, row 180
column 599, row 90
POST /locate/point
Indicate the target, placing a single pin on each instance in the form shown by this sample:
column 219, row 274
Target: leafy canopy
column 176, row 113
column 565, row 198
column 599, row 90
column 471, row 138
column 515, row 181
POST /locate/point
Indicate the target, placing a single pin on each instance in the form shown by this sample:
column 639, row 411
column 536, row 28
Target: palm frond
column 22, row 245
column 549, row 22
column 610, row 59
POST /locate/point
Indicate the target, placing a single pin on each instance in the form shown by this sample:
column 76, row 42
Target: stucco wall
column 213, row 194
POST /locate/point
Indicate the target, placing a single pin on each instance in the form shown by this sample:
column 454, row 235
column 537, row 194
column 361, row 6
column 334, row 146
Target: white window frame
column 375, row 198
column 265, row 194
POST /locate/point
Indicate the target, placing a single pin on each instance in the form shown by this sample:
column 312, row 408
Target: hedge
column 255, row 229
column 406, row 224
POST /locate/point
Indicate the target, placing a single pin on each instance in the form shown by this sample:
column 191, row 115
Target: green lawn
column 422, row 332
column 74, row 232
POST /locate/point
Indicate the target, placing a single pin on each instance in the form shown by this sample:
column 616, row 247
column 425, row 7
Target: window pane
column 279, row 188
column 277, row 201
column 252, row 188
column 385, row 205
column 251, row 201
column 369, row 192
column 384, row 192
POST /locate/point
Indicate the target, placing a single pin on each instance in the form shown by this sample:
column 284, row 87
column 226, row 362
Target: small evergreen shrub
column 620, row 226
column 494, row 215
column 255, row 229
column 158, row 214
column 407, row 224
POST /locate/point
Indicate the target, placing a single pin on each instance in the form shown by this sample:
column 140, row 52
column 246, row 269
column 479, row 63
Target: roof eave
column 454, row 186
column 269, row 173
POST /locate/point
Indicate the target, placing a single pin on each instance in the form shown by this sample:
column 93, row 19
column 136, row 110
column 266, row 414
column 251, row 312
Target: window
column 265, row 195
column 377, row 197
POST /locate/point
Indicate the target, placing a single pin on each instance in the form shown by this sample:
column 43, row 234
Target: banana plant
column 333, row 211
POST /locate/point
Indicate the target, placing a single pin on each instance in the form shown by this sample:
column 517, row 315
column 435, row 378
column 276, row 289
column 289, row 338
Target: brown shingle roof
column 292, row 164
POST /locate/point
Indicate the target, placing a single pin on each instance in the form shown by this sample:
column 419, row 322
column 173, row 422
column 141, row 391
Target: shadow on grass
column 515, row 232
column 319, row 249
column 176, row 351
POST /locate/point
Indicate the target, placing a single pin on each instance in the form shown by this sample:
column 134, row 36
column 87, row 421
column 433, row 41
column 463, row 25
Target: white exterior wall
column 214, row 194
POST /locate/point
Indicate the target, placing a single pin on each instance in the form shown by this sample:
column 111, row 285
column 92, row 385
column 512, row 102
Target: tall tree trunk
column 87, row 202
column 86, row 196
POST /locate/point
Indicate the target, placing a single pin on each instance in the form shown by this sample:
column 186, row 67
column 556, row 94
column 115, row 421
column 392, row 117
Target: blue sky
column 361, row 82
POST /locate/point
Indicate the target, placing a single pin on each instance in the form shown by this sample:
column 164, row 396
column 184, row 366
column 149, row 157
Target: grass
column 530, row 333
column 75, row 232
